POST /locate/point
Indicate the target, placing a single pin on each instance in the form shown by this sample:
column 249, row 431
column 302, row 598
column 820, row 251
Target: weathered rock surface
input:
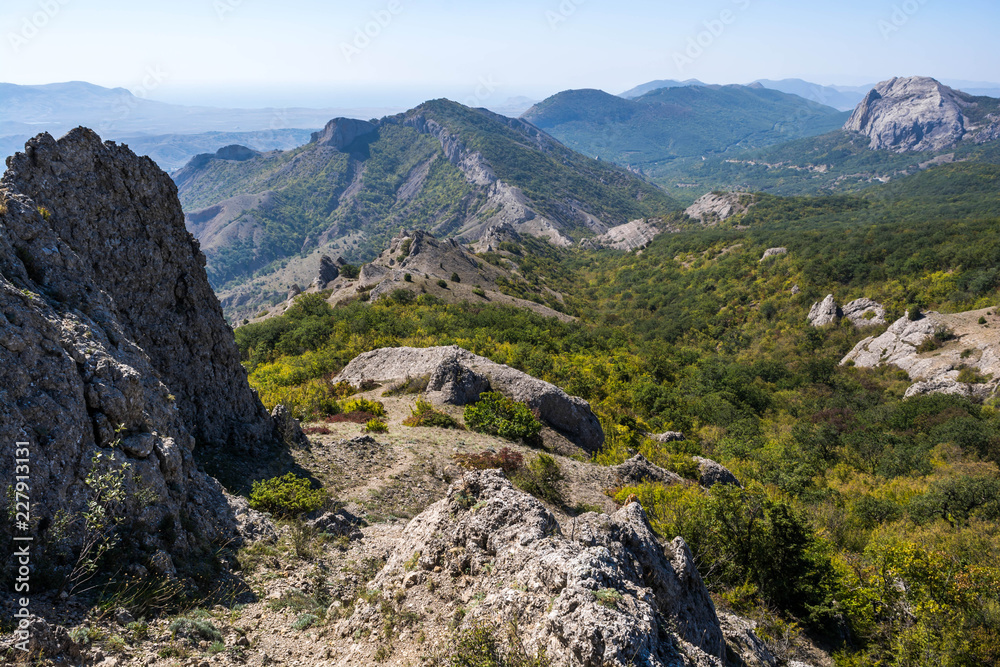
column 972, row 345
column 120, row 214
column 111, row 335
column 915, row 114
column 823, row 313
column 458, row 377
column 523, row 565
column 715, row 207
column 773, row 252
column 633, row 235
column 668, row 436
column 713, row 473
column 493, row 237
column 865, row 313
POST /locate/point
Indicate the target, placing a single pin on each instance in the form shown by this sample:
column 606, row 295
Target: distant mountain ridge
column 685, row 122
column 442, row 167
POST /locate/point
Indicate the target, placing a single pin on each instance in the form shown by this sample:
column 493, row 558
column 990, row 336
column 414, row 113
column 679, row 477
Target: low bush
column 442, row 283
column 376, row 426
column 424, row 414
column 288, row 495
column 364, row 405
column 490, row 645
column 496, row 414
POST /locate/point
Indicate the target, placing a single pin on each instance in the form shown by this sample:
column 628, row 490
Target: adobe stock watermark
column 365, row 34
column 20, row 496
column 225, row 7
column 32, row 26
column 566, row 9
column 714, row 29
column 153, row 77
column 901, row 15
column 484, row 90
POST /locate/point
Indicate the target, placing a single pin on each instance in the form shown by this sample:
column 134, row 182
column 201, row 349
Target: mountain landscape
column 693, row 375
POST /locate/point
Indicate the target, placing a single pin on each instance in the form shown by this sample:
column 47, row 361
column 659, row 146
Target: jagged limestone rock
column 595, row 596
column 341, row 133
column 461, row 376
column 327, row 273
column 823, row 313
column 112, row 337
column 865, row 313
column 715, row 207
column 633, row 235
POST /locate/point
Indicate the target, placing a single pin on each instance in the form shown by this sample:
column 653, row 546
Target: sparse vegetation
column 376, row 426
column 424, row 414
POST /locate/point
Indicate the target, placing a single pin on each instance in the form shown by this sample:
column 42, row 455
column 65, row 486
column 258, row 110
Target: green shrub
column 455, row 278
column 376, row 426
column 442, row 283
column 497, row 414
column 608, row 597
column 408, row 278
column 364, row 405
column 941, row 335
column 424, row 414
column 288, row 495
column 542, row 478
column 970, row 375
column 402, row 296
column 305, row 621
column 982, row 320
column 350, row 271
column 480, row 292
column 408, row 385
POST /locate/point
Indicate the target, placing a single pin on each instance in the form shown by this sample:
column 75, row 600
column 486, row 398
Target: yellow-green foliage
column 308, row 401
column 622, row 443
column 364, row 405
column 288, row 495
column 376, row 426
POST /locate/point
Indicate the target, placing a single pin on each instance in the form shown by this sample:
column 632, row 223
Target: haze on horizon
column 312, row 53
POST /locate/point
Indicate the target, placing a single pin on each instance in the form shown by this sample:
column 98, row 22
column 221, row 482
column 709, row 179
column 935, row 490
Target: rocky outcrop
column 327, row 273
column 112, row 343
column 668, row 436
column 713, row 473
column 458, row 377
column 341, row 133
column 823, row 313
column 120, row 215
column 773, row 252
column 715, row 207
column 912, row 114
column 633, row 235
column 865, row 313
column 860, row 312
column 494, row 237
column 962, row 342
column 599, row 596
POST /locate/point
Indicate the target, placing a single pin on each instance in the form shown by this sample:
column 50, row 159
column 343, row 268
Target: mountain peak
column 918, row 113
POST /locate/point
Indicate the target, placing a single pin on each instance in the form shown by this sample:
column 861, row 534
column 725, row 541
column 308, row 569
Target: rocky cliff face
column 113, row 342
column 918, row 114
column 714, row 207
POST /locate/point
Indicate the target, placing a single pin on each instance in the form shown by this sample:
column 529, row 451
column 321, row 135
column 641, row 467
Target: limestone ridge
column 922, row 114
column 341, row 133
column 120, row 215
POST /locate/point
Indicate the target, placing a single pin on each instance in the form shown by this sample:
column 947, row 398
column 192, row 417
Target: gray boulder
column 668, row 436
column 773, row 252
column 633, row 235
column 458, row 377
column 328, row 272
column 823, row 313
column 713, row 473
column 287, row 428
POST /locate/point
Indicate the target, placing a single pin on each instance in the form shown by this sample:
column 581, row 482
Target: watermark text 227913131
column 21, row 497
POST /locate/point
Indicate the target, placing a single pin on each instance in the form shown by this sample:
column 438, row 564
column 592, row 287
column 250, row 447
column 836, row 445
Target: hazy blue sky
column 308, row 52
